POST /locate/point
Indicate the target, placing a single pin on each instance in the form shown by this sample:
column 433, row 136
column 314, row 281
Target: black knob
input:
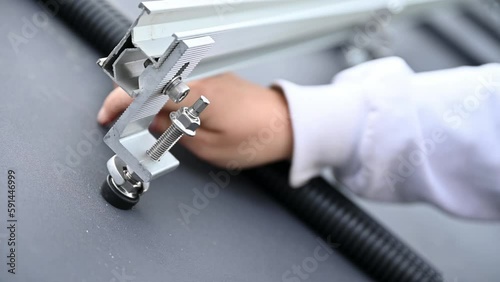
column 113, row 196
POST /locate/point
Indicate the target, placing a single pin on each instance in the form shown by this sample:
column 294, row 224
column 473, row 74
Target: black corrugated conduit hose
column 97, row 21
column 360, row 238
column 338, row 220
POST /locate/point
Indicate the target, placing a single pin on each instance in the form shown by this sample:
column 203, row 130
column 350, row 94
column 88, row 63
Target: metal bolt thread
column 166, row 141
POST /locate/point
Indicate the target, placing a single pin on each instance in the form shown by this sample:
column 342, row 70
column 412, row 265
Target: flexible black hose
column 95, row 20
column 364, row 241
column 336, row 219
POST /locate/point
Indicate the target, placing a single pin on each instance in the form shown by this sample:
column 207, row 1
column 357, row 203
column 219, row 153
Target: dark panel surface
column 51, row 92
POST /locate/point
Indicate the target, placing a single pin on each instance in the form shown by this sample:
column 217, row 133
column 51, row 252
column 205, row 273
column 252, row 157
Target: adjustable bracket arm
column 151, row 81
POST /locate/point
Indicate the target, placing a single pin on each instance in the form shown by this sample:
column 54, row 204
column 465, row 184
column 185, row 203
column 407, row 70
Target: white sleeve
column 393, row 135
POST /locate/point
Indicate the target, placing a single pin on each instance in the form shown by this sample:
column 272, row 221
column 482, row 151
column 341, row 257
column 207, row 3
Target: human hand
column 246, row 125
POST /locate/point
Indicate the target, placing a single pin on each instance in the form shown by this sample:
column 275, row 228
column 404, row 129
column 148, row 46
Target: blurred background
column 464, row 33
column 467, row 33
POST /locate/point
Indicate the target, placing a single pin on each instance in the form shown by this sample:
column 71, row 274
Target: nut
column 186, row 122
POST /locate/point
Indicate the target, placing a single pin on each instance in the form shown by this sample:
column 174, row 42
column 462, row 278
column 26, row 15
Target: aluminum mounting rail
column 247, row 30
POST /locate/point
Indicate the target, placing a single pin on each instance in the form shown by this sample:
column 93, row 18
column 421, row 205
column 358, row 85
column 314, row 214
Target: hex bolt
column 184, row 121
column 199, row 106
column 176, row 90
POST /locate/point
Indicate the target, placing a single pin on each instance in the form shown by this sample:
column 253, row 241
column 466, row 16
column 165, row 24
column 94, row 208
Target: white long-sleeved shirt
column 391, row 134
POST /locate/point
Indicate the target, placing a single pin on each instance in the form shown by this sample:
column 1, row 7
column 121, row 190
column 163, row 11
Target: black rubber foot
column 115, row 198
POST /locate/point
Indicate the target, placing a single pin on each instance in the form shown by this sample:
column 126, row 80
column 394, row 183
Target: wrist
column 281, row 124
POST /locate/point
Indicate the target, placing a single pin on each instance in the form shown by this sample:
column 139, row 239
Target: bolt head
column 176, row 90
column 186, row 122
column 200, row 105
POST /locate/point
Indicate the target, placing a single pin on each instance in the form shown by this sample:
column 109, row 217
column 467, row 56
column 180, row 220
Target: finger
column 116, row 102
column 202, row 145
column 161, row 122
column 199, row 144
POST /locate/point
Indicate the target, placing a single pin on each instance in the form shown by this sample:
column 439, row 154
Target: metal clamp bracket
column 150, row 80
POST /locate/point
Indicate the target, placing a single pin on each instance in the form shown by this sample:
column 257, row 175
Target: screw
column 199, row 106
column 178, row 128
column 176, row 90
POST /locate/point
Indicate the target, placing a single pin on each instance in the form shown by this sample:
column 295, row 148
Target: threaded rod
column 166, row 141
